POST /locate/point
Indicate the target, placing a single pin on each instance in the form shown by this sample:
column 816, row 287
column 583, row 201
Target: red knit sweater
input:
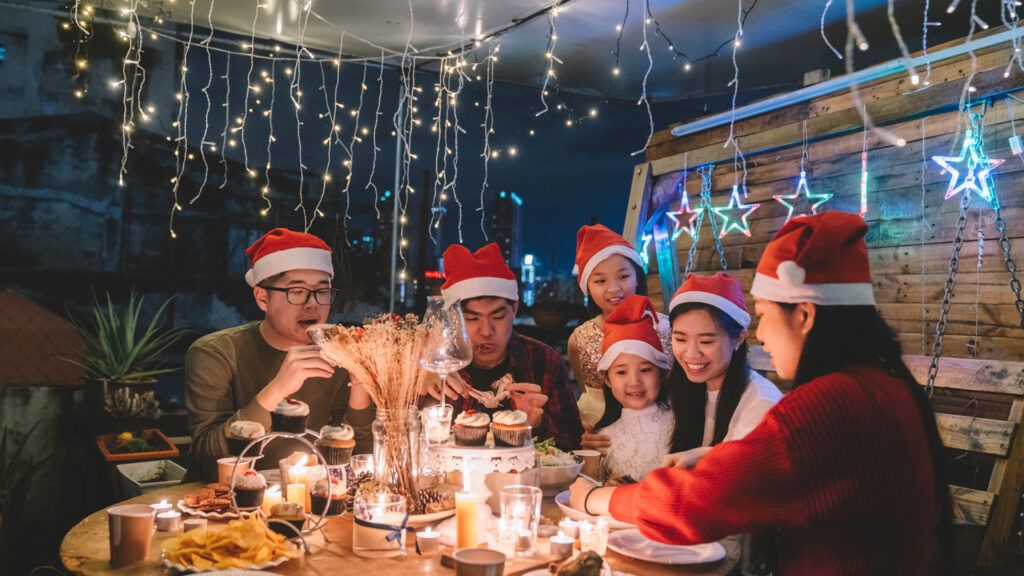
column 840, row 465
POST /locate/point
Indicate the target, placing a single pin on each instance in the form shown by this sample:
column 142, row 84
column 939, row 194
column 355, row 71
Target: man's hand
column 528, row 398
column 592, row 441
column 454, row 387
column 685, row 459
column 300, row 364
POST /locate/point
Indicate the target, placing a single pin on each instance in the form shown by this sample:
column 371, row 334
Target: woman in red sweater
column 848, row 465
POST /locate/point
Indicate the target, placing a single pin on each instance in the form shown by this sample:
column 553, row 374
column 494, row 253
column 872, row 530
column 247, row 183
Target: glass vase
column 396, row 450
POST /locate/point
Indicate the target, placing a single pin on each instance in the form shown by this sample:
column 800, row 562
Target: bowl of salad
column 558, row 468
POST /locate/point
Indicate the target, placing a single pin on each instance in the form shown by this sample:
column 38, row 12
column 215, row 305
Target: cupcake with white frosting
column 287, row 518
column 470, row 428
column 290, row 415
column 249, row 489
column 318, row 497
column 336, row 444
column 240, row 433
column 510, row 428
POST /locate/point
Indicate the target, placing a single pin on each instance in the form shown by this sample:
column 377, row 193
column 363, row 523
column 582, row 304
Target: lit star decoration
column 978, row 168
column 735, row 204
column 802, row 189
column 677, row 217
column 645, row 243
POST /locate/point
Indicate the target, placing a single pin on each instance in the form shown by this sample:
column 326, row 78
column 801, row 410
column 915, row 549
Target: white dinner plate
column 633, row 544
column 562, row 499
column 421, row 520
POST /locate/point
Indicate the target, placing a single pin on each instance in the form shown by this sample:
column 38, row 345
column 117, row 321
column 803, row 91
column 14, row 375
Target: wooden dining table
column 86, row 550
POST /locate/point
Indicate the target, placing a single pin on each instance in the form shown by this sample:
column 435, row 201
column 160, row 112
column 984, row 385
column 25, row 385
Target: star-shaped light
column 978, row 168
column 677, row 217
column 802, row 190
column 645, row 243
column 735, row 204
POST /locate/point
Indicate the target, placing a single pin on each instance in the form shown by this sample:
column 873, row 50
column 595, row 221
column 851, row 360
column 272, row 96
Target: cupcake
column 336, row 443
column 318, row 497
column 287, row 518
column 510, row 428
column 470, row 428
column 290, row 415
column 240, row 433
column 249, row 489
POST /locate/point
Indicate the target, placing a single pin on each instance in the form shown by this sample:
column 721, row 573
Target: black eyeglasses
column 299, row 296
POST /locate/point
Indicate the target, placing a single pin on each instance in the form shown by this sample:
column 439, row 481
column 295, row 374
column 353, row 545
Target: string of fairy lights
column 344, row 128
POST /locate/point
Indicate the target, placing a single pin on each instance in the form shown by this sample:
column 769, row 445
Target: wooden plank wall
column 912, row 226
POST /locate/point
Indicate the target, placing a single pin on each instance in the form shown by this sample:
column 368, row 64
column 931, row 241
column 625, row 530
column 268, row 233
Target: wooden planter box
column 165, row 450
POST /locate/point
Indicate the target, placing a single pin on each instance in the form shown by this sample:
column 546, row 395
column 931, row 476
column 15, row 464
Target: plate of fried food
column 245, row 544
column 213, row 501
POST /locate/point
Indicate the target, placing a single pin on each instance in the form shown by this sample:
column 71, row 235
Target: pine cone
column 432, row 500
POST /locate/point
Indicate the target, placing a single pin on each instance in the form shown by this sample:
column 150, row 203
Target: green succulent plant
column 116, row 347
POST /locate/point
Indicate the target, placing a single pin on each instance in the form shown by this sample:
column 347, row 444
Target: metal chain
column 705, row 198
column 1010, row 263
column 696, row 238
column 947, row 295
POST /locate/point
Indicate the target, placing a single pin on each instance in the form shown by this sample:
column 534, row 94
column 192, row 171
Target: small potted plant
column 119, row 354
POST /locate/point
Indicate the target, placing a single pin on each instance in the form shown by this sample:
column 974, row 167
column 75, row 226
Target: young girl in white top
column 637, row 419
column 715, row 395
column 608, row 270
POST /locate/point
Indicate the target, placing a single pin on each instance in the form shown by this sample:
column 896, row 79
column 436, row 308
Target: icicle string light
column 269, row 113
column 350, row 162
column 895, row 25
column 331, row 112
column 925, row 24
column 181, row 144
column 131, row 88
column 646, row 48
column 224, row 142
column 295, row 94
column 821, row 27
column 209, row 104
column 373, row 147
column 248, row 90
column 965, row 94
column 735, row 82
column 854, row 35
column 549, row 53
column 488, row 127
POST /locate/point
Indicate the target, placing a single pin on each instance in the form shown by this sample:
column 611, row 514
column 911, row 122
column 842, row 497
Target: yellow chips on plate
column 242, row 544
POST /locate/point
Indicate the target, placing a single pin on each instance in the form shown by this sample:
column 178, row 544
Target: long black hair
column 847, row 336
column 688, row 398
column 593, row 310
column 613, row 408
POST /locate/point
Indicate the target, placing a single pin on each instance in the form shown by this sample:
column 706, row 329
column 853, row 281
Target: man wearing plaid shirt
column 488, row 294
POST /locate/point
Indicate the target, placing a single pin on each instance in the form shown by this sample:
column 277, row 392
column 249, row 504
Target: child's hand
column 685, row 459
column 592, row 441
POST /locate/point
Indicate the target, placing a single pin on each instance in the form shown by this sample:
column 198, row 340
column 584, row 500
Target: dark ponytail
column 688, row 398
column 847, row 336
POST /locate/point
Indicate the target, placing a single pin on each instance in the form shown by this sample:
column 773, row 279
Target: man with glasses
column 244, row 373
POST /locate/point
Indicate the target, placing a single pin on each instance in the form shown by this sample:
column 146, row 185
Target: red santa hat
column 720, row 290
column 632, row 329
column 594, row 244
column 821, row 259
column 281, row 250
column 474, row 275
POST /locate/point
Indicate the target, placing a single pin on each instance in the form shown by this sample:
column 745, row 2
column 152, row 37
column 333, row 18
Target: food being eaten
column 212, row 498
column 550, row 455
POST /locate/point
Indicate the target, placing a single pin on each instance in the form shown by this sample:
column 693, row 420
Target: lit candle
column 300, row 475
column 466, row 513
column 569, row 527
column 163, row 506
column 561, row 545
column 428, row 541
column 270, row 497
column 169, row 521
column 594, row 536
column 296, row 493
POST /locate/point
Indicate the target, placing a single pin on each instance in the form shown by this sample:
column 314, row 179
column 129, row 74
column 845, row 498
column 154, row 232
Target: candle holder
column 262, row 442
column 520, row 507
column 594, row 536
column 379, row 525
column 437, row 424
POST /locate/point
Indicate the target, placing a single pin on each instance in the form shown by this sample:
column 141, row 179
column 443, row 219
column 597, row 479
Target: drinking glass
column 520, row 508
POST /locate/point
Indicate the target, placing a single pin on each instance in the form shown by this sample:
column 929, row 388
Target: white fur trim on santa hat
column 724, row 304
column 790, row 287
column 637, row 348
column 602, row 255
column 480, row 287
column 290, row 259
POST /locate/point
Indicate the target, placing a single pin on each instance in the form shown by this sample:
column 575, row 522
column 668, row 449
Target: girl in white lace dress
column 637, row 419
column 609, row 270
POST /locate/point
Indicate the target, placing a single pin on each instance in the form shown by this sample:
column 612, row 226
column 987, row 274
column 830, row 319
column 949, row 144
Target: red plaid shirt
column 535, row 362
